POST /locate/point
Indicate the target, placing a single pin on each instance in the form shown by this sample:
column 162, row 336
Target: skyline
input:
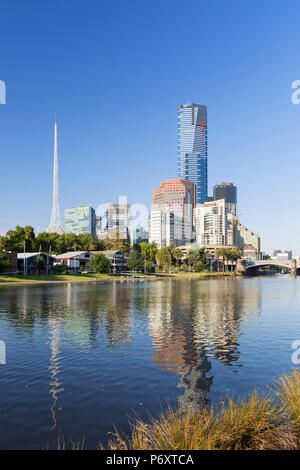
column 253, row 137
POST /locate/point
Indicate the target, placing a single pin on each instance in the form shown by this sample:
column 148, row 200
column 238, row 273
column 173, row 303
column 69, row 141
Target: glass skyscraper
column 80, row 219
column 192, row 147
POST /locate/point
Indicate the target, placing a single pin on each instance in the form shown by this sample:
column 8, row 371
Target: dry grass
column 260, row 422
column 257, row 423
column 287, row 390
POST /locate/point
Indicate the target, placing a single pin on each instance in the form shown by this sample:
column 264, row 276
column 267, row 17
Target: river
column 83, row 358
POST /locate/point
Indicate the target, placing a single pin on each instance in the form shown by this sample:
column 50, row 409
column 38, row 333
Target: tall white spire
column 55, row 223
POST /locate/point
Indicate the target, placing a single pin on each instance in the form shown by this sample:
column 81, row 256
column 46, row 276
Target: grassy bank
column 89, row 277
column 56, row 277
column 260, row 422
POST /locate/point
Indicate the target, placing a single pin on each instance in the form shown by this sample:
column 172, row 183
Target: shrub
column 198, row 267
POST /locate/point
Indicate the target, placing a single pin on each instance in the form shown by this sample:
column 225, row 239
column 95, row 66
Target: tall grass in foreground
column 268, row 422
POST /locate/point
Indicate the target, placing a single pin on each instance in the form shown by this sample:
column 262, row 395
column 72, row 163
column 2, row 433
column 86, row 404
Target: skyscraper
column 55, row 222
column 81, row 219
column 228, row 192
column 210, row 222
column 192, row 147
column 175, row 199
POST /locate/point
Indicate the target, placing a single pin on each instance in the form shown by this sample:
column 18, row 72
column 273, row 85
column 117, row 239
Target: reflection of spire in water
column 55, row 326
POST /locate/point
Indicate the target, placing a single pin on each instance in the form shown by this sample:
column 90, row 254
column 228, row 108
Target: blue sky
column 115, row 72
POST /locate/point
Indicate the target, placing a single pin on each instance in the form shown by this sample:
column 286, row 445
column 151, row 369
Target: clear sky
column 115, row 72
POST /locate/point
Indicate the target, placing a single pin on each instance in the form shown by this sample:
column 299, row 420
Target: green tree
column 221, row 253
column 59, row 268
column 118, row 243
column 15, row 239
column 177, row 256
column 100, row 263
column 4, row 263
column 40, row 265
column 148, row 251
column 135, row 261
column 163, row 258
column 198, row 267
column 195, row 256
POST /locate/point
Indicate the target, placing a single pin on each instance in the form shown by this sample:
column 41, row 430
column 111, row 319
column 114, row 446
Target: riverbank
column 260, row 422
column 57, row 278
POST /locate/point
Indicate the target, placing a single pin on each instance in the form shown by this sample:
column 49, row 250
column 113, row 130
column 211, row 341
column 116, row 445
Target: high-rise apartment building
column 176, row 197
column 240, row 236
column 118, row 219
column 192, row 147
column 210, row 223
column 161, row 227
column 80, row 219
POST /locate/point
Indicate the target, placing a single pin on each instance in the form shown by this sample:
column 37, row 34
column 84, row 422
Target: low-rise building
column 116, row 258
column 75, row 260
column 282, row 255
column 28, row 263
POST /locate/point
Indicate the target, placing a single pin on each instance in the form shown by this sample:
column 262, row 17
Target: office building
column 140, row 235
column 192, row 147
column 80, row 219
column 228, row 192
column 164, row 228
column 177, row 198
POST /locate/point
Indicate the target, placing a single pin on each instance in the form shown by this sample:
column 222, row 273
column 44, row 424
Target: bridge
column 291, row 265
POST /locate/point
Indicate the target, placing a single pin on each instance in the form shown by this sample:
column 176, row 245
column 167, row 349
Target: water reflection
column 191, row 322
column 105, row 347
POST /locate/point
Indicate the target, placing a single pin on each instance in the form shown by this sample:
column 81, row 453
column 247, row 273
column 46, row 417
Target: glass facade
column 80, row 219
column 226, row 191
column 192, row 147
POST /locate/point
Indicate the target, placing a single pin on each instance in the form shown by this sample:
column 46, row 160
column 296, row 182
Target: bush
column 100, row 263
column 59, row 268
column 198, row 267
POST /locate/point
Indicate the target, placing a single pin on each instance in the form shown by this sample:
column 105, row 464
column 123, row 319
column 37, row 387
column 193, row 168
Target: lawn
column 57, row 277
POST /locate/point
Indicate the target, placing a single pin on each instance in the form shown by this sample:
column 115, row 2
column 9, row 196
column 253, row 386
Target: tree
column 119, row 243
column 135, row 261
column 177, row 255
column 164, row 258
column 148, row 251
column 4, row 262
column 40, row 265
column 195, row 256
column 221, row 253
column 198, row 267
column 59, row 268
column 100, row 263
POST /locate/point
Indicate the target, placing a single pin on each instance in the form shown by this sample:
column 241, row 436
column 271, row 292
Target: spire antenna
column 55, row 222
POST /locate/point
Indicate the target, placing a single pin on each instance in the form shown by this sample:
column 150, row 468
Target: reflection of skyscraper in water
column 190, row 322
column 118, row 315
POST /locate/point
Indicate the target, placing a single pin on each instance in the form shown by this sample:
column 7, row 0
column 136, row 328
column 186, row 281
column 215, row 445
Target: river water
column 83, row 358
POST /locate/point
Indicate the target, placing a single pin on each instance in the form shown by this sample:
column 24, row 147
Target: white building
column 210, row 223
column 167, row 227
